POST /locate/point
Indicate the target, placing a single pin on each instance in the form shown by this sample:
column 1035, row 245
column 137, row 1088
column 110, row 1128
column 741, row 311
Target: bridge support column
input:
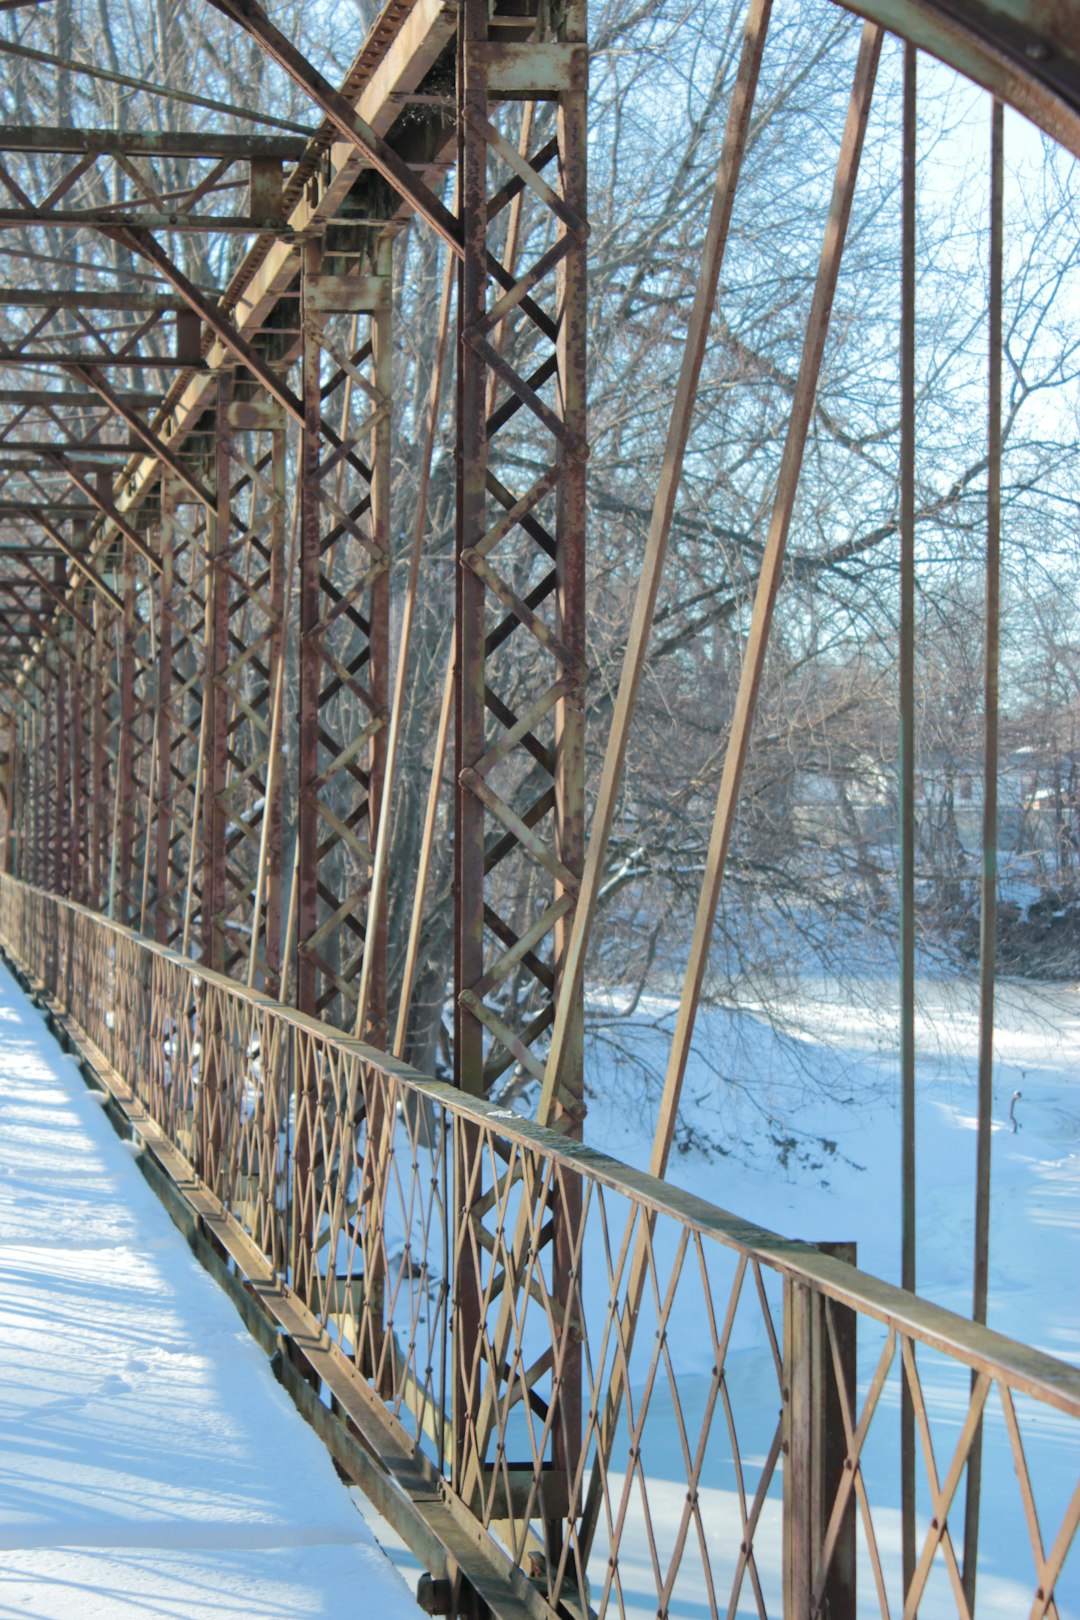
column 344, row 661
column 819, row 1393
column 344, row 621
column 79, row 764
column 520, row 672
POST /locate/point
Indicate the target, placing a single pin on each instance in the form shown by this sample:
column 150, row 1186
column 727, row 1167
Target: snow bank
column 149, row 1463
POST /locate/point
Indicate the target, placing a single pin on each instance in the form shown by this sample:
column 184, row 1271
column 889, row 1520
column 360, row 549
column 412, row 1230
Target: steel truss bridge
column 195, row 565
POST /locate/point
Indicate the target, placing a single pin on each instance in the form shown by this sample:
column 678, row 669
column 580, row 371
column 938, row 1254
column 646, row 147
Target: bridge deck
column 149, row 1464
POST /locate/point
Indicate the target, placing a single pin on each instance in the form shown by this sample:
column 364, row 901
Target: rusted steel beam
column 62, row 790
column 60, row 359
column 76, row 555
column 370, row 1022
column 183, row 626
column 162, row 825
column 76, row 450
column 307, row 830
column 151, row 143
column 215, row 740
column 988, row 883
column 543, row 524
column 187, row 98
column 80, row 762
column 682, row 412
column 906, row 765
column 87, row 298
column 72, row 401
column 58, row 594
column 344, row 627
column 104, row 506
column 540, row 809
column 252, row 571
column 381, row 871
column 91, row 378
column 143, row 245
column 120, row 888
column 46, row 782
column 378, row 152
column 145, row 219
column 390, row 63
column 767, row 588
column 1025, row 52
column 27, row 463
column 38, row 509
column 266, row 903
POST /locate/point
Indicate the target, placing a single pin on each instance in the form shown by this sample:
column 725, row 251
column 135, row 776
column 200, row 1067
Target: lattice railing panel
column 736, row 1445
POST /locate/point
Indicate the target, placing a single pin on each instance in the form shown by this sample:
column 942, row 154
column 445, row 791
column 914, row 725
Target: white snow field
column 169, row 1475
column 149, row 1463
column 805, row 1137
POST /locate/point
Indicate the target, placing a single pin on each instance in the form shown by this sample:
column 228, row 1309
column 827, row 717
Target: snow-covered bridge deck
column 149, row 1463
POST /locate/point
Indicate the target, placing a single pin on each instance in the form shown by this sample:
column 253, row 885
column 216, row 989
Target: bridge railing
column 699, row 1417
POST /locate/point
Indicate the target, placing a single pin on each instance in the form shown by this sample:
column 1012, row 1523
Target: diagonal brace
column 146, row 246
column 92, row 378
column 105, row 507
column 249, row 15
column 77, row 559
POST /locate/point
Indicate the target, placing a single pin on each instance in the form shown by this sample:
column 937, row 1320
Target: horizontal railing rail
column 667, row 1410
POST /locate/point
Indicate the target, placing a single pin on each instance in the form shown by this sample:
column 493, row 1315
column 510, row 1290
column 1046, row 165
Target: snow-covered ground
column 149, row 1463
column 804, row 1138
column 173, row 1477
column 804, row 1123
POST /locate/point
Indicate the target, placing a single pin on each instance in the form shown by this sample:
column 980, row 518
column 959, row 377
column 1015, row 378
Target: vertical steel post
column 278, row 645
column 163, row 827
column 45, row 783
column 97, row 752
column 568, row 1112
column 815, row 1449
column 125, row 756
column 307, row 832
column 215, row 743
column 798, row 1448
column 344, row 626
column 307, row 859
column 907, row 782
column 34, row 767
column 372, row 1016
column 469, row 588
column 62, row 790
column 562, row 1052
column 988, row 888
column 768, row 585
column 78, row 845
column 519, row 606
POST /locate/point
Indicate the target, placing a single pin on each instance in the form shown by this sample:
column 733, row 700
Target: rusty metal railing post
column 798, row 1431
column 816, row 1352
